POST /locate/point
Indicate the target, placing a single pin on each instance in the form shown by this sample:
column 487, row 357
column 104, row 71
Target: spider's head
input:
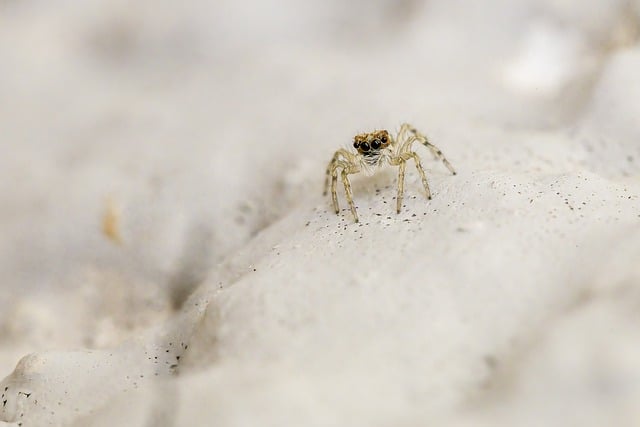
column 370, row 144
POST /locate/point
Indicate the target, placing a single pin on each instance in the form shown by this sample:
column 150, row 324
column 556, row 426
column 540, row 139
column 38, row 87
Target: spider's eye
column 384, row 139
column 375, row 144
column 364, row 146
column 355, row 144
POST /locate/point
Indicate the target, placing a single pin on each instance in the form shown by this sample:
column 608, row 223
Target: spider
column 374, row 150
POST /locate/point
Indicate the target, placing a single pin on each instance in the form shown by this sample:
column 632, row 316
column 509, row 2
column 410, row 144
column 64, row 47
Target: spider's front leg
column 333, row 172
column 344, row 161
column 401, row 162
column 401, row 167
column 349, row 194
column 341, row 154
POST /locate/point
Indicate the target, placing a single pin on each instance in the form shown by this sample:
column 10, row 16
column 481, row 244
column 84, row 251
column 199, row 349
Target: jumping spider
column 374, row 150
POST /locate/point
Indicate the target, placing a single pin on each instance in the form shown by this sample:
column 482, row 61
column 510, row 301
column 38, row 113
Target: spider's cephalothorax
column 374, row 149
column 372, row 146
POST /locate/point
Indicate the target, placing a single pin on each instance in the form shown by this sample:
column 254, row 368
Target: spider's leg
column 336, row 157
column 333, row 171
column 404, row 128
column 326, row 179
column 425, row 184
column 437, row 153
column 349, row 194
column 345, row 161
column 334, row 194
column 330, row 167
column 401, row 167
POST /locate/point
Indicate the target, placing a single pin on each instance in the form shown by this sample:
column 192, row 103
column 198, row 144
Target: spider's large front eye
column 364, row 146
column 375, row 144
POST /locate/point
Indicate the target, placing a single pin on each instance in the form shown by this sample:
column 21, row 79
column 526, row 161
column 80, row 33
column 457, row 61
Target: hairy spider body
column 373, row 151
